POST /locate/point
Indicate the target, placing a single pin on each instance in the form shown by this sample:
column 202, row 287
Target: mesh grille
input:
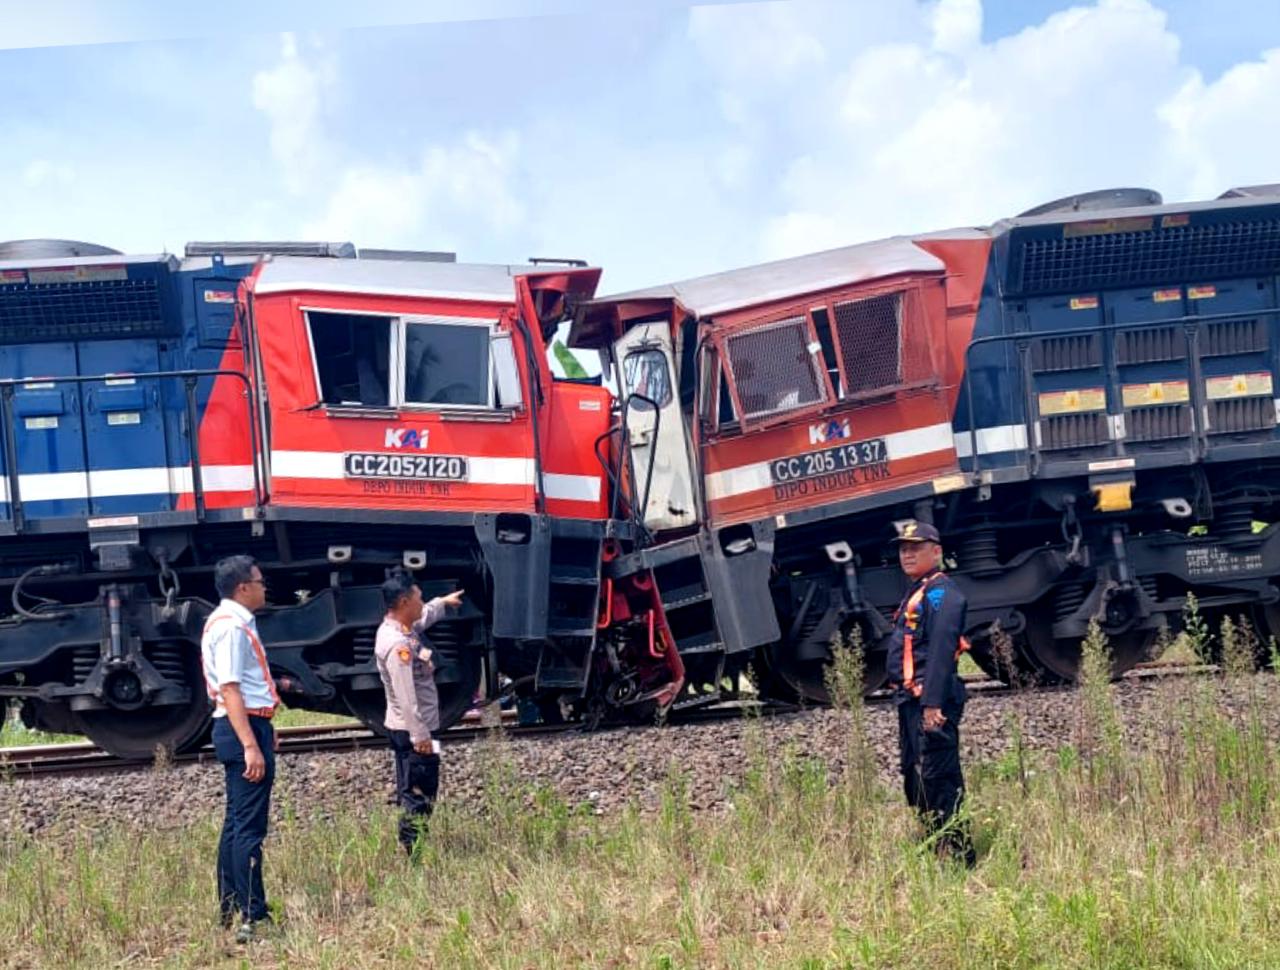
column 869, row 333
column 61, row 311
column 1126, row 259
column 1066, row 353
column 882, row 342
column 773, row 369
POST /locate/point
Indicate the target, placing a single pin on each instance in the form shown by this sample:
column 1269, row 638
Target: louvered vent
column 1163, row 256
column 1233, row 337
column 1158, row 423
column 1061, row 432
column 1241, row 414
column 1075, row 352
column 1150, row 346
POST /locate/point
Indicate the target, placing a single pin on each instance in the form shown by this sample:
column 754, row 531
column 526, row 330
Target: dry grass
column 1097, row 856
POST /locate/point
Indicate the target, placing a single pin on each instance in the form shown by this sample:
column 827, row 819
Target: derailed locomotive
column 1082, row 399
column 335, row 417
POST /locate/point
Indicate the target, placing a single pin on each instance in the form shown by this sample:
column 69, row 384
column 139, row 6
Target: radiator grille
column 67, row 311
column 1179, row 254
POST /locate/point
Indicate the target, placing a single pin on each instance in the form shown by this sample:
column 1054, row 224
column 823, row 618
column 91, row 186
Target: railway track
column 55, row 760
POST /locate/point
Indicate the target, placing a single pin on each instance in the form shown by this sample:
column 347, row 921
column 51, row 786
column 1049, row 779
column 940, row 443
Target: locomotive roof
column 463, row 281
column 783, row 278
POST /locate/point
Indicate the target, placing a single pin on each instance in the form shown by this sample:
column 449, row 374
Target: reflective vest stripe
column 258, row 652
column 912, row 621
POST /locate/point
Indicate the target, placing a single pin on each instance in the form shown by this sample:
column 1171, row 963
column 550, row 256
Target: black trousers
column 417, row 784
column 931, row 775
column 245, row 824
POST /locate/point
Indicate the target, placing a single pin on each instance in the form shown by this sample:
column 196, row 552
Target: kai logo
column 406, row 438
column 833, row 430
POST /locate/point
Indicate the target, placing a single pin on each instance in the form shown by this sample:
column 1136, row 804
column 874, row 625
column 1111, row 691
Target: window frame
column 399, row 323
column 913, row 330
column 306, row 312
column 641, row 351
column 407, row 320
column 788, row 317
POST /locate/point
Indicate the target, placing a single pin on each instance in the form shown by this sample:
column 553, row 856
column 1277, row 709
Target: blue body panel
column 1098, row 310
column 120, row 445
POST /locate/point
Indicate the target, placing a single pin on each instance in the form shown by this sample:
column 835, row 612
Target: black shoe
column 227, row 919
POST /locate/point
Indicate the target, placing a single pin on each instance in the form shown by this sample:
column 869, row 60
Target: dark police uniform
column 927, row 640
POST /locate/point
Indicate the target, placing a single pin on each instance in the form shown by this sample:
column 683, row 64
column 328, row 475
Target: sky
column 659, row 139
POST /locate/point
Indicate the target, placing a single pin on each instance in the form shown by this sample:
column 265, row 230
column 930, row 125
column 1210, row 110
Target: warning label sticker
column 1073, row 401
column 1238, row 385
column 1157, row 392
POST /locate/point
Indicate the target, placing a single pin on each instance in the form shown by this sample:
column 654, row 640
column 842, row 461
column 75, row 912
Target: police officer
column 413, row 706
column 928, row 637
column 244, row 695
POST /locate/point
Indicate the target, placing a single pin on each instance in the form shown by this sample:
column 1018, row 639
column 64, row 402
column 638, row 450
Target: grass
column 1097, row 856
column 15, row 734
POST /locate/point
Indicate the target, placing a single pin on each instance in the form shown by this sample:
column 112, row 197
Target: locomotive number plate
column 438, row 468
column 841, row 458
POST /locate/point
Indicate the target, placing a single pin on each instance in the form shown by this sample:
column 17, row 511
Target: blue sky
column 659, row 139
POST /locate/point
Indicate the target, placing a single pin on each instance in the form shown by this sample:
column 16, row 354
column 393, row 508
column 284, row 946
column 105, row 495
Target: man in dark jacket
column 928, row 637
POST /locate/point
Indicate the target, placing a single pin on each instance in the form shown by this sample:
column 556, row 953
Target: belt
column 267, row 712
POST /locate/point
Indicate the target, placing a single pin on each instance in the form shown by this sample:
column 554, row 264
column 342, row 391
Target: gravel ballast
column 606, row 769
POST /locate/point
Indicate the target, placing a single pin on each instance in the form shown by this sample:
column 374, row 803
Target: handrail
column 9, row 385
column 1191, row 322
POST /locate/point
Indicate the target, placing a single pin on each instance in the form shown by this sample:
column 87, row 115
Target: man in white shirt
column 244, row 695
column 413, row 706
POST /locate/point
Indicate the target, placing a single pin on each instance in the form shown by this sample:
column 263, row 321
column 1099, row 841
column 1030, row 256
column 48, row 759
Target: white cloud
column 456, row 194
column 957, row 25
column 1225, row 133
column 917, row 124
column 290, row 95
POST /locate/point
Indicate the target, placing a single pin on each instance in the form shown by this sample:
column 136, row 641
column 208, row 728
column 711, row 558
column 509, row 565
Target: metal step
column 569, row 626
column 575, row 575
column 690, row 595
column 708, row 642
column 698, row 701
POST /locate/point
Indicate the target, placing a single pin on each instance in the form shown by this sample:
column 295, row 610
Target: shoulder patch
column 405, row 654
column 935, row 596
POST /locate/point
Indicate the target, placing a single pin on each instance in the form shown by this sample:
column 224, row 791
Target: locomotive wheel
column 456, row 697
column 805, row 681
column 1058, row 661
column 137, row 734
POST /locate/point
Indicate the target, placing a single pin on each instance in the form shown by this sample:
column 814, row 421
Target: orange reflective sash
column 912, row 621
column 258, row 652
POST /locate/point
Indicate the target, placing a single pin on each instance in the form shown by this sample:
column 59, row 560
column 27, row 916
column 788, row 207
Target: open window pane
column 646, row 373
column 352, row 358
column 446, row 363
column 773, row 368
